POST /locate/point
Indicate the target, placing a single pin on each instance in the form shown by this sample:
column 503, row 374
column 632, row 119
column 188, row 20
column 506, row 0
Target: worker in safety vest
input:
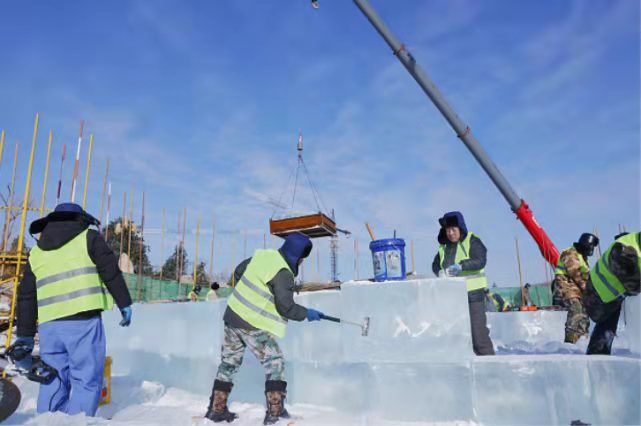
column 496, row 303
column 70, row 278
column 570, row 276
column 614, row 277
column 195, row 293
column 257, row 312
column 462, row 254
column 211, row 294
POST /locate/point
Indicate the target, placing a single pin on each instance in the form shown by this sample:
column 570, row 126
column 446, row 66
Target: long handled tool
column 364, row 326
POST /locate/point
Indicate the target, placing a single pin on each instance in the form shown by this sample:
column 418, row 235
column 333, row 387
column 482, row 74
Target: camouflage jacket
column 572, row 282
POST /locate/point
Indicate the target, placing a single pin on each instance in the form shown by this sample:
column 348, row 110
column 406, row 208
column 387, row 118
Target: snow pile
column 415, row 367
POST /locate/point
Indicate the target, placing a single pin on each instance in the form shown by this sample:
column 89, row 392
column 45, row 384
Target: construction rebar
column 131, row 223
column 211, row 251
column 104, row 189
column 196, row 253
column 62, row 162
column 518, row 261
column 76, row 164
column 87, row 172
column 140, row 247
column 108, row 212
column 2, row 136
column 123, row 220
column 46, row 177
column 8, row 219
column 162, row 244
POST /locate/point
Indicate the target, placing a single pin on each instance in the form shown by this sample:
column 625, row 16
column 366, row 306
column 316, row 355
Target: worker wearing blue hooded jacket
column 462, row 254
column 257, row 312
column 71, row 277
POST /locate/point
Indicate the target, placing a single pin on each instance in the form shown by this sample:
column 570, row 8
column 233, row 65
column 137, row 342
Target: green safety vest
column 475, row 278
column 252, row 299
column 606, row 284
column 67, row 281
column 560, row 266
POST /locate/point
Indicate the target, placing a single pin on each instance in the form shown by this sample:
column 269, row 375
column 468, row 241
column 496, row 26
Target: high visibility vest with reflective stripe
column 67, row 281
column 560, row 266
column 606, row 284
column 476, row 278
column 252, row 300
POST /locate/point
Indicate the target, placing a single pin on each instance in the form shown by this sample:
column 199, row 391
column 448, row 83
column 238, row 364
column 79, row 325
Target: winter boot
column 217, row 411
column 275, row 391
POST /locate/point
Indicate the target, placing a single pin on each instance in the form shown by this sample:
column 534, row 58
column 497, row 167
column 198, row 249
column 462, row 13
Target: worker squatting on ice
column 615, row 276
column 70, row 278
column 257, row 312
column 462, row 254
column 570, row 277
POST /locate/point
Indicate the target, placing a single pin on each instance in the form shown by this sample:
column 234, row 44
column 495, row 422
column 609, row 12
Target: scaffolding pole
column 46, row 177
column 23, row 222
column 76, row 164
column 87, row 170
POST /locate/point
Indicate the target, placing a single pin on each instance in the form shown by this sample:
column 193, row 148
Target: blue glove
column 313, row 314
column 20, row 352
column 126, row 316
column 454, row 270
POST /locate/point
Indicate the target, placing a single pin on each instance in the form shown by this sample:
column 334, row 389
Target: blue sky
column 200, row 103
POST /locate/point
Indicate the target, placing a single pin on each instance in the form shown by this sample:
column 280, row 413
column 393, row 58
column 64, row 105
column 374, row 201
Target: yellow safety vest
column 252, row 299
column 67, row 281
column 606, row 284
column 475, row 278
column 560, row 266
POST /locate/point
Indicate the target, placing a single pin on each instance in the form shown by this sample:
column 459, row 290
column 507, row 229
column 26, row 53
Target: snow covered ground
column 414, row 368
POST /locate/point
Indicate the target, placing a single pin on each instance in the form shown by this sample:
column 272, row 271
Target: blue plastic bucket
column 388, row 256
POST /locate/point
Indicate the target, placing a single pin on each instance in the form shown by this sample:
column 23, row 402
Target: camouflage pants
column 578, row 322
column 261, row 343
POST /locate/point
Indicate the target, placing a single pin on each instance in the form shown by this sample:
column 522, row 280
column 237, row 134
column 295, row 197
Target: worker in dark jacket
column 257, row 312
column 616, row 275
column 70, row 278
column 462, row 254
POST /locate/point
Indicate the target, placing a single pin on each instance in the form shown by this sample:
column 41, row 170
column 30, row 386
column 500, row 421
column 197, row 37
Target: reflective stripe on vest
column 252, row 300
column 560, row 266
column 67, row 281
column 475, row 278
column 606, row 284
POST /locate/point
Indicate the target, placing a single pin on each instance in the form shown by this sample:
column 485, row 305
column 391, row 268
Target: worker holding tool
column 257, row 313
column 570, row 276
column 462, row 254
column 70, row 278
column 614, row 277
column 194, row 294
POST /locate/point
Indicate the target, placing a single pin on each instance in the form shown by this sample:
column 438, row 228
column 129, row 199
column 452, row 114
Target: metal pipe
column 462, row 130
column 108, row 212
column 104, row 188
column 62, row 162
column 23, row 223
column 196, row 253
column 88, row 168
column 162, row 244
column 76, row 164
column 211, row 252
column 46, row 177
column 7, row 218
column 2, row 135
column 140, row 247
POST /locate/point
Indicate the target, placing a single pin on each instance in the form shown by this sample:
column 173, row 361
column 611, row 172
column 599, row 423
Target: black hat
column 586, row 244
column 62, row 213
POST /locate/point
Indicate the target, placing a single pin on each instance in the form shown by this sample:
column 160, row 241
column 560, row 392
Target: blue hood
column 296, row 246
column 451, row 219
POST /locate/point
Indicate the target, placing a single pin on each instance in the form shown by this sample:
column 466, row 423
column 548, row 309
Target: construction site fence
column 153, row 290
column 540, row 294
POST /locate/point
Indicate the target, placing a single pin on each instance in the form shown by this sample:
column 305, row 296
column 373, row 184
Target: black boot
column 217, row 410
column 275, row 391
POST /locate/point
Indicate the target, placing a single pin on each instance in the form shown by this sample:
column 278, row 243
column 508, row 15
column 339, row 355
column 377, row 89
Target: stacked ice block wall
column 416, row 363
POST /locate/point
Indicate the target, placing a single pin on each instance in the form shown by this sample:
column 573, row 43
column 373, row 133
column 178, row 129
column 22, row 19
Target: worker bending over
column 614, row 277
column 570, row 276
